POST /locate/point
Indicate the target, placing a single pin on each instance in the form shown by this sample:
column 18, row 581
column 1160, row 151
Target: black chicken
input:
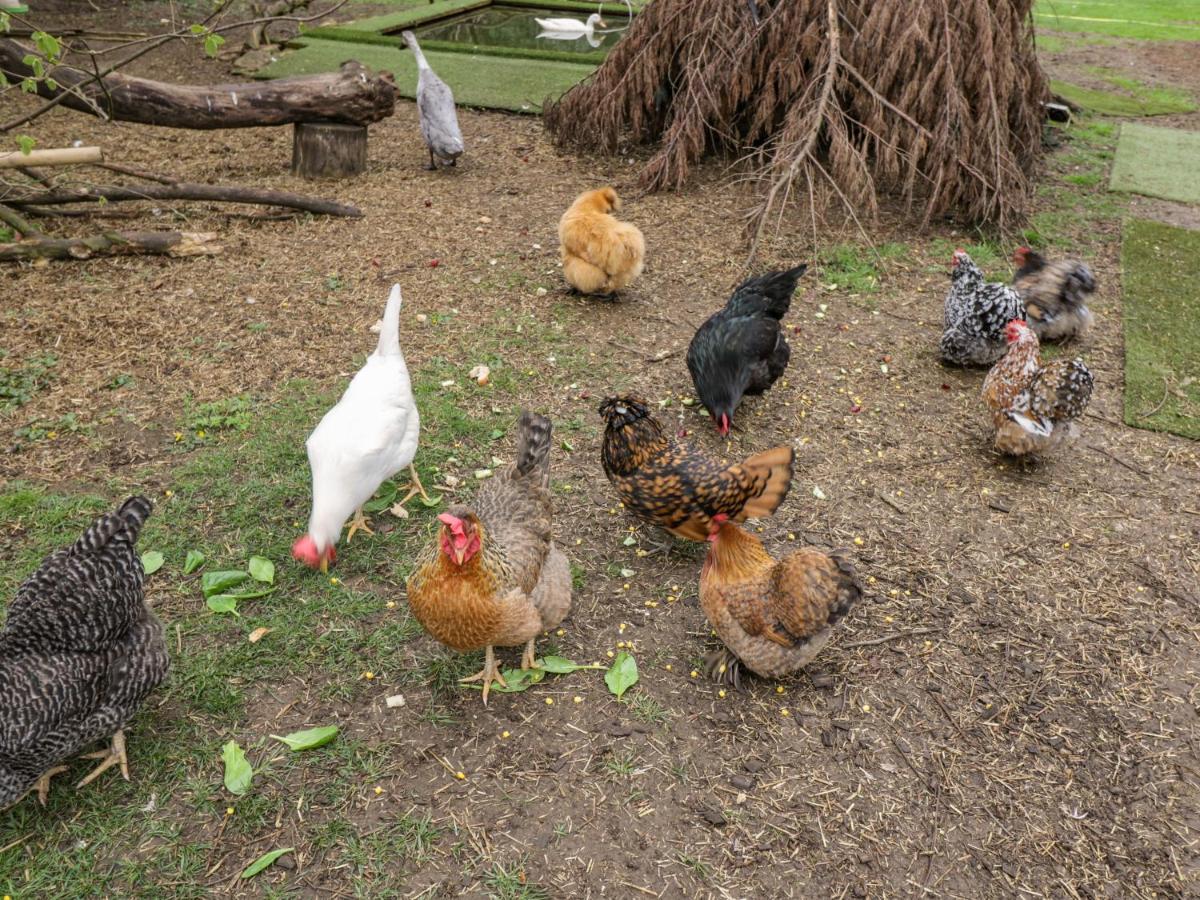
column 741, row 348
column 79, row 653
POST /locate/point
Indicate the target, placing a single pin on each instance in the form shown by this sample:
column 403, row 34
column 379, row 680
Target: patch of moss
column 1129, row 98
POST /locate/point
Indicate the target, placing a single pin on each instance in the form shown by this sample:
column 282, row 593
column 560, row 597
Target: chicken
column 772, row 615
column 599, row 254
column 435, row 107
column 1034, row 406
column 975, row 315
column 672, row 484
column 79, row 653
column 1054, row 294
column 741, row 349
column 369, row 436
column 493, row 577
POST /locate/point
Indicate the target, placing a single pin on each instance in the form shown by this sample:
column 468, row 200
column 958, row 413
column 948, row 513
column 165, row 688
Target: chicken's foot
column 723, row 667
column 358, row 523
column 43, row 784
column 415, row 487
column 432, row 166
column 528, row 660
column 115, row 756
column 488, row 674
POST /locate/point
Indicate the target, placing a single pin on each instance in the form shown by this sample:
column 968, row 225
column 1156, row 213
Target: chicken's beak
column 460, row 555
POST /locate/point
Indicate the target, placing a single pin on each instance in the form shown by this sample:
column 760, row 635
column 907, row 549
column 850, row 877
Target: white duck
column 435, row 106
column 572, row 27
column 369, row 436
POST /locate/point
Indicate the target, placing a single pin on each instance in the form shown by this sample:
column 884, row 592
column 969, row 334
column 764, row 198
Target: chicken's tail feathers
column 772, row 469
column 127, row 521
column 389, row 334
column 849, row 588
column 533, row 444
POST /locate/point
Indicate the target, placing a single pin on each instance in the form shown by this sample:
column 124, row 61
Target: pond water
column 512, row 26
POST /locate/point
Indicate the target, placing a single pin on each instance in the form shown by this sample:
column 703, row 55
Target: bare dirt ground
column 1012, row 710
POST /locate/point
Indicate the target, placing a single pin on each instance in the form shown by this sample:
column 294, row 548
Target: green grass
column 1160, row 20
column 1158, row 162
column 1161, row 269
column 492, row 82
column 19, row 382
column 1129, row 98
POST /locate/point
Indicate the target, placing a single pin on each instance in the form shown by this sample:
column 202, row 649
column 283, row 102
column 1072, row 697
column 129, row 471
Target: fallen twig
column 1130, row 466
column 187, row 191
column 895, row 635
column 114, row 243
column 15, row 220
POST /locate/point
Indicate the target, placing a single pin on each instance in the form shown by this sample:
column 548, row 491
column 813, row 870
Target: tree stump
column 328, row 150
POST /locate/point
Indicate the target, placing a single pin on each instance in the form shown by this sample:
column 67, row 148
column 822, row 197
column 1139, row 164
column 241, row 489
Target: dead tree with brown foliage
column 935, row 101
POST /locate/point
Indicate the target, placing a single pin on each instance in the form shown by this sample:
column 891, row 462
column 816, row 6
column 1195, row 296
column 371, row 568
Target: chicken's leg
column 43, row 784
column 489, row 673
column 415, row 487
column 358, row 523
column 115, row 756
column 528, row 660
column 432, row 167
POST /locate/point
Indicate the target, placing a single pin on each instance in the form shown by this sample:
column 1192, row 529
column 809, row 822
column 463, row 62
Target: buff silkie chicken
column 1034, row 406
column 975, row 314
column 666, row 482
column 1054, row 294
column 772, row 615
column 369, row 436
column 79, row 653
column 493, row 577
column 600, row 255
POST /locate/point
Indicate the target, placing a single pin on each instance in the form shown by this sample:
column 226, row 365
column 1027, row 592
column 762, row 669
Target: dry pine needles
column 935, row 101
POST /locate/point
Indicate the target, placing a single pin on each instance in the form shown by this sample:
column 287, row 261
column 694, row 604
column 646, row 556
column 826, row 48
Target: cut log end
column 328, row 150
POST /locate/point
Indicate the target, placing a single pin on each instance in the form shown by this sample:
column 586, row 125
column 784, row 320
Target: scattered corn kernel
column 370, row 676
column 866, row 707
column 504, row 734
column 229, row 810
column 609, row 653
column 334, row 581
column 721, row 693
column 1066, row 545
column 694, row 673
column 378, row 790
column 391, row 604
column 668, row 667
column 784, row 712
column 779, row 689
column 870, row 579
column 858, row 541
column 791, row 536
column 549, row 701
column 889, row 619
column 561, row 632
column 577, row 699
column 460, row 775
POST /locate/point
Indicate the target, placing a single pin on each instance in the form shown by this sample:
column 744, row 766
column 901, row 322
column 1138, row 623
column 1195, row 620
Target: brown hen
column 493, row 577
column 679, row 487
column 1034, row 406
column 772, row 615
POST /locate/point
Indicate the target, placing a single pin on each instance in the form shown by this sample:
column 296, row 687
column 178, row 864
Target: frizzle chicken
column 741, row 349
column 79, row 653
column 772, row 615
column 1034, row 406
column 494, row 577
column 669, row 483
column 976, row 312
column 1054, row 294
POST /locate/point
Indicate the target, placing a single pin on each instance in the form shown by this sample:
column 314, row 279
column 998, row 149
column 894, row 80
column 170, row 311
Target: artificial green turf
column 492, row 82
column 1127, row 98
column 1156, row 20
column 1161, row 275
column 1157, row 162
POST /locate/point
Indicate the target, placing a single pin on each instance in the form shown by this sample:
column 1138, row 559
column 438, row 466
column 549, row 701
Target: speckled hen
column 1034, row 406
column 772, row 615
column 79, row 653
column 975, row 314
column 1054, row 294
column 669, row 483
column 493, row 577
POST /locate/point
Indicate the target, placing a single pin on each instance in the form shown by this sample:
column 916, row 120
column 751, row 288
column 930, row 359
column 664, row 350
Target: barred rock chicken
column 772, row 615
column 79, row 653
column 369, row 436
column 741, row 349
column 1034, row 406
column 976, row 312
column 435, row 107
column 672, row 484
column 600, row 255
column 1054, row 294
column 494, row 577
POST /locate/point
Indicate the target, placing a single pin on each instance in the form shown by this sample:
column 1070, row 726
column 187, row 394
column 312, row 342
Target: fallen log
column 351, row 96
column 64, row 156
column 186, row 191
column 114, row 243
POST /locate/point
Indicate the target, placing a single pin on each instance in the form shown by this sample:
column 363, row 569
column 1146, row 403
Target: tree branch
column 186, row 191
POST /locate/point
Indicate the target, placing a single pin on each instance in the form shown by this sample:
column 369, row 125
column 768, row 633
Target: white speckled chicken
column 976, row 312
column 1034, row 406
column 369, row 436
column 79, row 653
column 773, row 616
column 493, row 577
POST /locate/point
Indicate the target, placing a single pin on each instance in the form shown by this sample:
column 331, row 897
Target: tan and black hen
column 669, row 483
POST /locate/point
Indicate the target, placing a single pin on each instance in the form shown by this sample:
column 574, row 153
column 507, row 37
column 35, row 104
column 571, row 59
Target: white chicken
column 369, row 436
